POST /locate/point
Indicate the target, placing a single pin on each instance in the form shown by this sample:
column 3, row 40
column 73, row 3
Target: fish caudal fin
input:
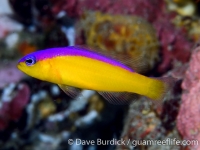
column 159, row 87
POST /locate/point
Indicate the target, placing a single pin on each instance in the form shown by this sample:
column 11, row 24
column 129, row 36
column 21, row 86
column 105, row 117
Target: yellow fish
column 86, row 69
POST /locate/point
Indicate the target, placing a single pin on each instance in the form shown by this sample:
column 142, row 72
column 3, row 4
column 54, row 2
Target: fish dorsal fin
column 133, row 62
column 69, row 90
column 119, row 98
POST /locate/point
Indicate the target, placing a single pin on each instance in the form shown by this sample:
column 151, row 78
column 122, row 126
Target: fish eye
column 30, row 61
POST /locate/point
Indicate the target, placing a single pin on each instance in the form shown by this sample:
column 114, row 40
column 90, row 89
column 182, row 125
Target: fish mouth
column 19, row 66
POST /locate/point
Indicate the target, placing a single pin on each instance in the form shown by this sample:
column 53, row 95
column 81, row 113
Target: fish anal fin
column 69, row 90
column 119, row 98
column 135, row 62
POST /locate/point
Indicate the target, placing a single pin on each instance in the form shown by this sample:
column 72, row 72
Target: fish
column 74, row 67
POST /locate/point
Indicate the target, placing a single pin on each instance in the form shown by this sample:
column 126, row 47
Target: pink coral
column 11, row 110
column 146, row 9
column 174, row 44
column 188, row 121
column 9, row 73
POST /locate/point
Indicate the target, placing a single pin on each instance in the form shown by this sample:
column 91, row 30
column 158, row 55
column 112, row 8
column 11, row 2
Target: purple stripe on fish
column 73, row 51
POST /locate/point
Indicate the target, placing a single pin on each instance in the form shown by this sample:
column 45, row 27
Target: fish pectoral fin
column 69, row 90
column 119, row 98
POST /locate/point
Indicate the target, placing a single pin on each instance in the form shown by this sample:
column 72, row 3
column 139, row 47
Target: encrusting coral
column 122, row 34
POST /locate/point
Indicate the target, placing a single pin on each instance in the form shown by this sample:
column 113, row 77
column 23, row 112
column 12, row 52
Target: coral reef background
column 162, row 39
